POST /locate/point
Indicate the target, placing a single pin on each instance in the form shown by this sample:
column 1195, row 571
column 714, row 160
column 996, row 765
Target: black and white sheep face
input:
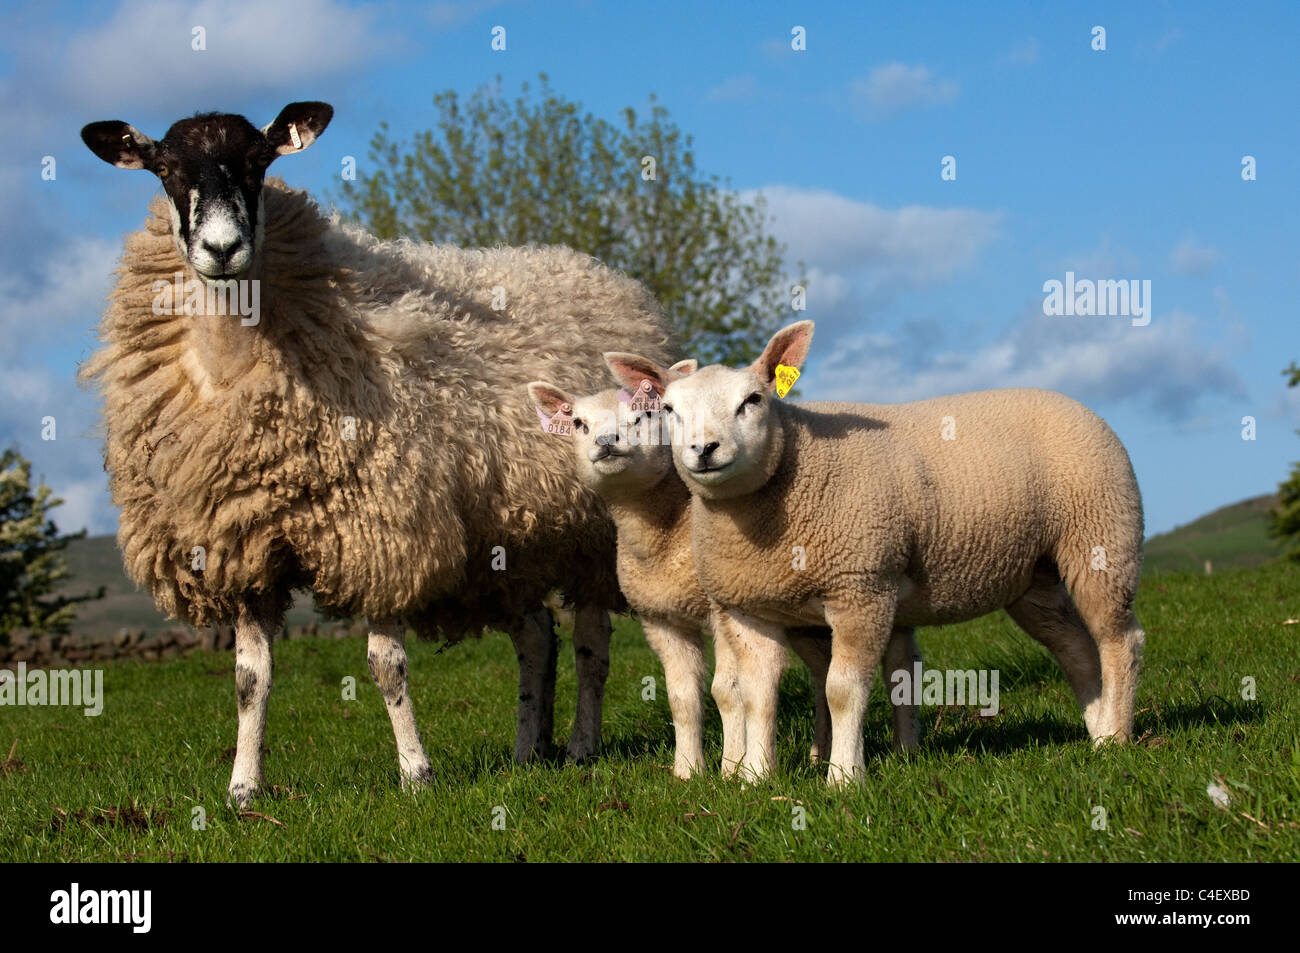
column 212, row 167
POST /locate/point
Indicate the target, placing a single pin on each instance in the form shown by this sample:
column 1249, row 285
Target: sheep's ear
column 297, row 126
column 682, row 368
column 789, row 346
column 119, row 143
column 548, row 397
column 631, row 369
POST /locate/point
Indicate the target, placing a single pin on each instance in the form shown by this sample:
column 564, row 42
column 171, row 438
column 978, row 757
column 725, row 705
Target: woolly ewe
column 364, row 435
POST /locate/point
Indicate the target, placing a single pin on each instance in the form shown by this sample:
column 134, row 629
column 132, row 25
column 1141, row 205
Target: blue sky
column 1115, row 164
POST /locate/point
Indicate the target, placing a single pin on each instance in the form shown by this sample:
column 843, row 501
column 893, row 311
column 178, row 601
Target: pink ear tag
column 645, row 400
column 562, row 423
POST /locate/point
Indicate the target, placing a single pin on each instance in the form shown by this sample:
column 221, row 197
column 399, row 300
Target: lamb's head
column 212, row 167
column 731, row 434
column 618, row 448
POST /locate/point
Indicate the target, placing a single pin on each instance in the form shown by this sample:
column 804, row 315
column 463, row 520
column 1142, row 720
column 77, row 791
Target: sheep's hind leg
column 813, row 646
column 534, row 640
column 1049, row 616
column 254, row 630
column 591, row 631
column 1107, row 611
column 386, row 653
column 902, row 653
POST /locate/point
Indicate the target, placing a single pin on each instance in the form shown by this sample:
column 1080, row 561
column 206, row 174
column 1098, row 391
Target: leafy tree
column 31, row 555
column 1284, row 519
column 539, row 170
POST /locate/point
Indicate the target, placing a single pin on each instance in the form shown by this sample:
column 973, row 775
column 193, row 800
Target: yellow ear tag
column 785, row 378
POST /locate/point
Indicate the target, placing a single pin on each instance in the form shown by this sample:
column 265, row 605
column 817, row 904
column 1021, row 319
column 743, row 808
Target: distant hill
column 1230, row 537
column 96, row 561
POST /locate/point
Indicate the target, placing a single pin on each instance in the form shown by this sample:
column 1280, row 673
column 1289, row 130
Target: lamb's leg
column 1049, row 616
column 386, row 654
column 760, row 650
column 254, row 631
column 1119, row 640
column 730, row 702
column 813, row 646
column 862, row 629
column 901, row 653
column 534, row 639
column 591, row 631
column 681, row 652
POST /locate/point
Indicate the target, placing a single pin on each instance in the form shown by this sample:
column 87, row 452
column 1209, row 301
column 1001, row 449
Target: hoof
column 240, row 795
column 417, row 779
column 580, row 753
column 840, row 778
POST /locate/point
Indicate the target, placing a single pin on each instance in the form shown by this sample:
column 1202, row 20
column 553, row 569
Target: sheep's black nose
column 706, row 450
column 222, row 252
column 606, row 439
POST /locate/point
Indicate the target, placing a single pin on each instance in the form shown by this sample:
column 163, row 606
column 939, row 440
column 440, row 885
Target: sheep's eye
column 577, row 422
column 162, row 170
column 754, row 398
column 668, row 409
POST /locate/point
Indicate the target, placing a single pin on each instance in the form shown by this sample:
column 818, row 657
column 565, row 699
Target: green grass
column 1020, row 786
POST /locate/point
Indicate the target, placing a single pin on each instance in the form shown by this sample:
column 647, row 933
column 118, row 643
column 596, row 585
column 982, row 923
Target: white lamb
column 1031, row 505
column 622, row 453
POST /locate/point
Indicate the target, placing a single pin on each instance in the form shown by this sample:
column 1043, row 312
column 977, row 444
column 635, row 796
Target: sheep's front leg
column 727, row 696
column 681, row 652
column 861, row 632
column 253, row 634
column 760, row 652
column 534, row 639
column 386, row 653
column 591, row 631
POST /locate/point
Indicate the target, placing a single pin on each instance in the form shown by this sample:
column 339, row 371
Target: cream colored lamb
column 910, row 514
column 620, row 452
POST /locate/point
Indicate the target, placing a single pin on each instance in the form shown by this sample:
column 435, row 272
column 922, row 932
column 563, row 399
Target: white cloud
column 894, row 87
column 1189, row 258
column 141, row 58
column 1105, row 261
column 1097, row 360
column 915, row 244
column 1023, row 54
column 68, row 290
column 733, row 89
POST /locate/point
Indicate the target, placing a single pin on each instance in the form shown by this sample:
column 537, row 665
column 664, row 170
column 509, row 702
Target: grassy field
column 1019, row 786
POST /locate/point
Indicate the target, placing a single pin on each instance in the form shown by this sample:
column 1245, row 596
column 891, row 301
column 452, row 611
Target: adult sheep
column 349, row 416
column 1027, row 503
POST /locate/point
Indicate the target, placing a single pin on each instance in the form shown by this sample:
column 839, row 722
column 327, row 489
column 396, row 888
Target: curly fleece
column 237, row 439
